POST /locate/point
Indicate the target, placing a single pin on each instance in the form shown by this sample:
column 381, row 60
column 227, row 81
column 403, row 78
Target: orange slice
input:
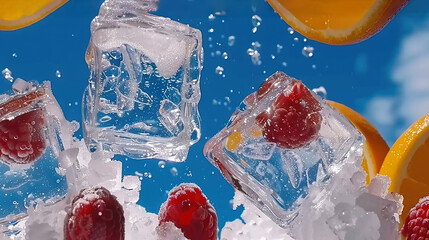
column 338, row 21
column 15, row 14
column 407, row 164
column 375, row 148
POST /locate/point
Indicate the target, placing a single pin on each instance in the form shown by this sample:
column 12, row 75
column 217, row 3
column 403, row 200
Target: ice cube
column 145, row 71
column 33, row 133
column 311, row 143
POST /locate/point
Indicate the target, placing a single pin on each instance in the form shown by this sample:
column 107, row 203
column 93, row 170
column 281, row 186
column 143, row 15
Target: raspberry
column 190, row 211
column 294, row 118
column 416, row 225
column 22, row 138
column 95, row 214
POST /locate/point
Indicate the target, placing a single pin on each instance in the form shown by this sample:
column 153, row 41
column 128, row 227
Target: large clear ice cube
column 143, row 93
column 33, row 132
column 282, row 140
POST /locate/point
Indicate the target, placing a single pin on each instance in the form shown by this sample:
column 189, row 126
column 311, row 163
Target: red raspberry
column 294, row 118
column 22, row 138
column 416, row 226
column 188, row 208
column 95, row 215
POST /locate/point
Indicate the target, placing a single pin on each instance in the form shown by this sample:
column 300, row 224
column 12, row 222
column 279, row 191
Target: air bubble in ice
column 307, row 51
column 105, row 119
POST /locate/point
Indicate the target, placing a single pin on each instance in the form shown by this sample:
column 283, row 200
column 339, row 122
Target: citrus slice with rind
column 15, row 14
column 407, row 164
column 338, row 22
column 375, row 148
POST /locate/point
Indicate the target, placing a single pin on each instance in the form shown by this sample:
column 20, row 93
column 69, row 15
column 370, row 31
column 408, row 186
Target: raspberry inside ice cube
column 294, row 118
column 22, row 139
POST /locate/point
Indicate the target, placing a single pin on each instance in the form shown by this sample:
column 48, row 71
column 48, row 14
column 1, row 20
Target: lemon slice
column 15, row 14
column 407, row 164
column 338, row 21
column 375, row 148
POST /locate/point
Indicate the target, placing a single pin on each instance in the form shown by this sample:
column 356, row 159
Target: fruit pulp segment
column 330, row 14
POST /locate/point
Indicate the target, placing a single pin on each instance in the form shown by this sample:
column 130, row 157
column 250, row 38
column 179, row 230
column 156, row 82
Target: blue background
column 363, row 76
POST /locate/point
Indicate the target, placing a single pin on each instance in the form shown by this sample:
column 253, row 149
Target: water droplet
column 321, row 91
column 225, row 55
column 307, row 51
column 217, row 53
column 58, row 73
column 256, row 21
column 7, row 74
column 254, row 29
column 210, row 39
column 273, row 57
column 296, row 39
column 305, row 40
column 231, row 41
column 174, row 171
column 221, row 13
column 212, row 17
column 284, row 64
column 279, row 48
column 14, row 55
column 313, row 66
column 256, row 58
column 219, row 70
column 256, row 45
column 250, row 52
column 211, row 30
column 290, row 30
column 161, row 164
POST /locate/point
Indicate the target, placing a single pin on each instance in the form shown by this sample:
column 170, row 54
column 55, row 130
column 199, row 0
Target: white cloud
column 393, row 114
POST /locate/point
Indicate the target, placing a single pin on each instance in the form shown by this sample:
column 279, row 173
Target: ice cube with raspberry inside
column 22, row 138
column 280, row 141
column 190, row 211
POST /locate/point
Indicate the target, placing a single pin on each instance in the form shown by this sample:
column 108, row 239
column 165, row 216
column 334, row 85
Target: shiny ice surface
column 273, row 175
column 143, row 93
